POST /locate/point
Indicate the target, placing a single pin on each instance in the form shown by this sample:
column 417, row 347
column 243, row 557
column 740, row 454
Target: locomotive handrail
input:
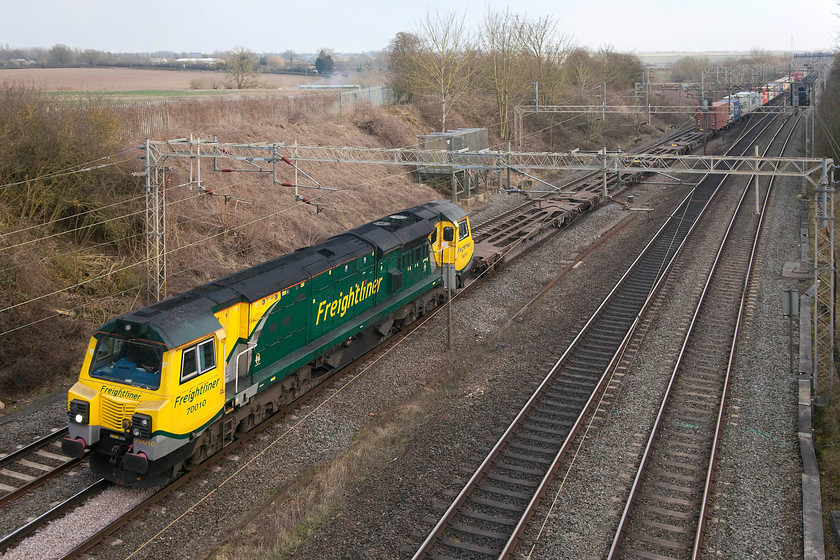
column 250, row 348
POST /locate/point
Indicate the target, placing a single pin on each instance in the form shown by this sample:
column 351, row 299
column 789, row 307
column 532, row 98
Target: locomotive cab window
column 198, row 359
column 463, row 230
column 127, row 362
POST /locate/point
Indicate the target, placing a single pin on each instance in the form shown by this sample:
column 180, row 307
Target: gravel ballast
column 435, row 413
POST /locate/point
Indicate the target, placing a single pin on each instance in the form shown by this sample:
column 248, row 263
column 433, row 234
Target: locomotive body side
column 170, row 384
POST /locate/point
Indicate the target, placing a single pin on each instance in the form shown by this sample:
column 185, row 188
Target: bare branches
column 504, row 73
column 241, row 67
column 441, row 65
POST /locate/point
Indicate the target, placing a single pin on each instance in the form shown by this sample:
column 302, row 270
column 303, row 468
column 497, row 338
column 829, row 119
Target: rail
column 680, row 387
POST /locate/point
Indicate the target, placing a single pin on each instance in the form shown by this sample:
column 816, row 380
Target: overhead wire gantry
column 264, row 158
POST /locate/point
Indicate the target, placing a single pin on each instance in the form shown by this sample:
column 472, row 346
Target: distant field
column 134, row 81
column 665, row 59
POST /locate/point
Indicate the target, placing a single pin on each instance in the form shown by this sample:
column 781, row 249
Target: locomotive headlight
column 79, row 411
column 141, row 426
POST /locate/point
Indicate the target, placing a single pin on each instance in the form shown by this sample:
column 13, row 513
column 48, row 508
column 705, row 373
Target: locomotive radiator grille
column 114, row 412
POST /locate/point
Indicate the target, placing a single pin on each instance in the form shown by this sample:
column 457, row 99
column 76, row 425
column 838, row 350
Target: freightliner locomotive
column 166, row 386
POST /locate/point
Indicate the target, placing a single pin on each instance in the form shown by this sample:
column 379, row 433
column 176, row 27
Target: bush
column 52, row 153
column 380, row 124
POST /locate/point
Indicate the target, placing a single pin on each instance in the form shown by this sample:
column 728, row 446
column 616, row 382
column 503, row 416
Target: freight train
column 164, row 387
column 720, row 114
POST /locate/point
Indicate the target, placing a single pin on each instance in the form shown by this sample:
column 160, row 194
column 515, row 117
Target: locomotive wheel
column 198, row 456
column 246, row 424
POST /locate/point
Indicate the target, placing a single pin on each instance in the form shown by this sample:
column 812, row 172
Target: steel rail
column 523, row 521
column 502, row 440
column 698, row 539
column 54, row 512
column 125, row 518
column 23, row 452
column 40, row 442
column 89, row 543
column 499, row 239
column 665, row 400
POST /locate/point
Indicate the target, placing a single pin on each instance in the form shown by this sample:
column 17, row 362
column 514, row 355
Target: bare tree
column 689, row 68
column 60, row 55
column 275, row 63
column 580, row 68
column 91, row 57
column 501, row 47
column 241, row 67
column 442, row 67
column 619, row 70
column 761, row 56
column 547, row 50
column 290, row 57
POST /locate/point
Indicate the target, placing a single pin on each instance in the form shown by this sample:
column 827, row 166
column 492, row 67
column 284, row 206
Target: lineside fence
column 146, row 118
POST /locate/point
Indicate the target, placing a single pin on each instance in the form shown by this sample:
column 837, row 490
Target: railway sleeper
column 555, row 409
column 690, row 502
column 531, row 449
column 515, row 468
column 548, row 431
column 514, row 481
column 552, row 419
column 666, row 472
column 496, row 491
column 660, row 525
column 583, row 368
column 566, row 386
column 538, row 421
column 506, row 521
column 495, row 504
column 475, row 531
column 667, row 513
column 597, row 352
column 575, row 376
column 682, row 489
column 650, row 540
column 527, row 459
column 471, row 548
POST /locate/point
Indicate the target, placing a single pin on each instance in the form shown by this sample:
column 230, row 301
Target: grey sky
column 364, row 25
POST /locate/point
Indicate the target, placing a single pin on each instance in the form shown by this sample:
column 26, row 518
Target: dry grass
column 279, row 526
column 206, row 236
column 282, row 524
column 263, row 220
column 826, row 438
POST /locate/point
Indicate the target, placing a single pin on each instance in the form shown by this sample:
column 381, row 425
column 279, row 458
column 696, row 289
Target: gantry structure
column 267, row 158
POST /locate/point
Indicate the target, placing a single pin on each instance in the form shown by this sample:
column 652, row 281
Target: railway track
column 31, row 466
column 90, row 542
column 490, row 513
column 586, row 192
column 665, row 510
column 508, row 235
column 54, row 512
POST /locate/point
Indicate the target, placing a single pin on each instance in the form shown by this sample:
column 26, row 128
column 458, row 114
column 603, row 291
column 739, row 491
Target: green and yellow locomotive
column 167, row 385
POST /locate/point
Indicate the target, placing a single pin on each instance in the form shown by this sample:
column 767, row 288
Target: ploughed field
column 135, row 79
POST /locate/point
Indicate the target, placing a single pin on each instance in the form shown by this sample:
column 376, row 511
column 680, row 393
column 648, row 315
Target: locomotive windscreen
column 127, row 362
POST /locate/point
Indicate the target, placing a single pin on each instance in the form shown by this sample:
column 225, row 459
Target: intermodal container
column 716, row 117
